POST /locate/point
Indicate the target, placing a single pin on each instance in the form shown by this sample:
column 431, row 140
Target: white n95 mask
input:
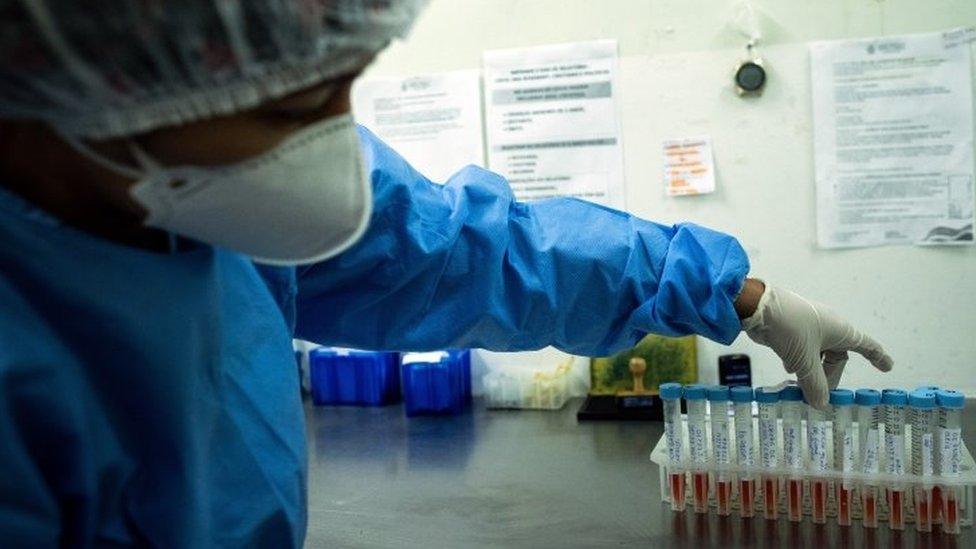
column 304, row 201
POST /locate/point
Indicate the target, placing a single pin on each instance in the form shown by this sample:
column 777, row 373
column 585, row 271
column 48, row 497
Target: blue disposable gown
column 153, row 397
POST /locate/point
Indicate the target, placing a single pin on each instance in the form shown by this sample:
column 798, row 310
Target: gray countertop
column 525, row 479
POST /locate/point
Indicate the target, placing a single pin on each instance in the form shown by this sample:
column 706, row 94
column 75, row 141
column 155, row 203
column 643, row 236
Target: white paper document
column 688, row 166
column 893, row 140
column 433, row 121
column 552, row 123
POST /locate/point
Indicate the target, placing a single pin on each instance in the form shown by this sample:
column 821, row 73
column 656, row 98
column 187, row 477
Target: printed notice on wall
column 551, row 121
column 893, row 140
column 433, row 121
column 688, row 166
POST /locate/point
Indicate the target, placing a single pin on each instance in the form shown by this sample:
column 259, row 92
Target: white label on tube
column 870, row 452
column 792, row 446
column 767, row 442
column 672, row 432
column 720, row 441
column 696, row 442
column 927, row 446
column 848, row 451
column 897, row 463
column 818, row 445
column 951, row 451
column 743, row 445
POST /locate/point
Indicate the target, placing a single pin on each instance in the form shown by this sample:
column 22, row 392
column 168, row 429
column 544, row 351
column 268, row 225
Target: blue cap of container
column 867, row 397
column 766, row 396
column 921, row 399
column 670, row 391
column 894, row 397
column 718, row 392
column 842, row 397
column 694, row 392
column 953, row 400
column 741, row 393
column 931, row 388
column 791, row 393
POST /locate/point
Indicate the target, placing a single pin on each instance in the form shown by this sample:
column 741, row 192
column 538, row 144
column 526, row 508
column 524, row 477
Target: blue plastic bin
column 353, row 378
column 463, row 356
column 434, row 383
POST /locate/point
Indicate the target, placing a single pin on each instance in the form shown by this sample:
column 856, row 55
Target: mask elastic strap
column 85, row 150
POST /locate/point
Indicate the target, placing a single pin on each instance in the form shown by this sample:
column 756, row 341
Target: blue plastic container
column 463, row 356
column 353, row 378
column 434, row 383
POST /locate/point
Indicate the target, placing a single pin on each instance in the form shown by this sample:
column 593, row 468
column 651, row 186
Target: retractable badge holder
column 750, row 74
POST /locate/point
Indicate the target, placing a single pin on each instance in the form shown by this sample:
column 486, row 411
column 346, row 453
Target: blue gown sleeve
column 465, row 265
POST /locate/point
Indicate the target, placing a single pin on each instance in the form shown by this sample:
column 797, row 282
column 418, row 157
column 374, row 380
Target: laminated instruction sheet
column 552, row 123
column 893, row 140
column 433, row 121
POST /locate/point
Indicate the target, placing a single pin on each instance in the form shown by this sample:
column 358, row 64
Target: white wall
column 677, row 58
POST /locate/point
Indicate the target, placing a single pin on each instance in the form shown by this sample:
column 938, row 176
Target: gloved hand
column 812, row 341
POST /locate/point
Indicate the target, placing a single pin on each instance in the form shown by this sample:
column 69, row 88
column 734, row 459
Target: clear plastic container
column 527, row 389
column 674, row 435
column 950, row 453
column 745, row 453
column 768, row 404
column 842, row 401
column 698, row 446
column 922, row 405
column 718, row 403
column 820, row 460
column 869, row 450
column 791, row 409
column 895, row 402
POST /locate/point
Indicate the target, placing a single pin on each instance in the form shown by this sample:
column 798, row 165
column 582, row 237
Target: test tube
column 768, row 402
column 697, row 445
column 674, row 437
column 922, row 405
column 791, row 398
column 894, row 402
column 718, row 402
column 950, row 442
column 935, row 509
column 819, row 462
column 843, row 402
column 868, row 420
column 745, row 454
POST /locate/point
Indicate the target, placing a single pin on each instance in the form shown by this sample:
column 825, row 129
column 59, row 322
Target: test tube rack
column 965, row 483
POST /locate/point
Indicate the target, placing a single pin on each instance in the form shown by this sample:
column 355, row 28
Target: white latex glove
column 812, row 341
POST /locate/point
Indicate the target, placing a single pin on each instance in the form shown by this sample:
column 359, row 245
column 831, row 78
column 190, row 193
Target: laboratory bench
column 490, row 478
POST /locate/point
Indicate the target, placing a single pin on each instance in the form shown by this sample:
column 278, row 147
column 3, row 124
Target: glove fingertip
column 885, row 363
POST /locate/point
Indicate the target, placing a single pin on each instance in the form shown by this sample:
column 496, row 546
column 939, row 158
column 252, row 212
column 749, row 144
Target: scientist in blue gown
column 183, row 191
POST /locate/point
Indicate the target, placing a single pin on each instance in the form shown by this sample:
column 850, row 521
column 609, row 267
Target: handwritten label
column 951, row 451
column 927, row 446
column 720, row 441
column 792, row 446
column 672, row 434
column 743, row 443
column 818, row 445
column 870, row 452
column 847, row 451
column 767, row 436
column 696, row 442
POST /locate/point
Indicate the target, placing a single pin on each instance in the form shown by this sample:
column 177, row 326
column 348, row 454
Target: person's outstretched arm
column 464, row 264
